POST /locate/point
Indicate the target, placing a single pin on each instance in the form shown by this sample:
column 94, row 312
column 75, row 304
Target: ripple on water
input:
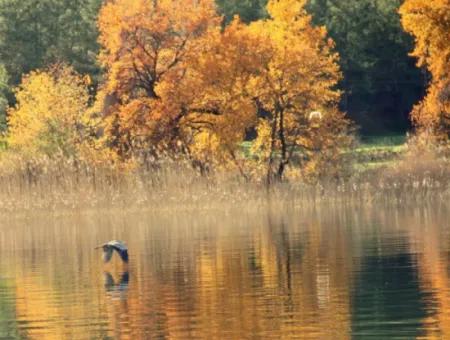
column 325, row 274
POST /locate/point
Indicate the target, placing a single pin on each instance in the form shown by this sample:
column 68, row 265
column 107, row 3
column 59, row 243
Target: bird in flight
column 109, row 247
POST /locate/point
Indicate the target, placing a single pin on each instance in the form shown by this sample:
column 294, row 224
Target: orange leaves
column 178, row 77
column 176, row 81
column 148, row 50
column 429, row 22
column 144, row 40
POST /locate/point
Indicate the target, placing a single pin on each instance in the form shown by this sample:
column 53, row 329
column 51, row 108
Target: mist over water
column 318, row 273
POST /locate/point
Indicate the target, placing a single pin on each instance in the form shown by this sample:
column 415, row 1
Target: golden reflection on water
column 328, row 273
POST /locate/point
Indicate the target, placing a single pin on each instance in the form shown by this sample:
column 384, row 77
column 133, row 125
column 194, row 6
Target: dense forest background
column 381, row 82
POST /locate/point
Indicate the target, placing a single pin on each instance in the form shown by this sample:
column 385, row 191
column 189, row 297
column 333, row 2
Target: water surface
column 324, row 273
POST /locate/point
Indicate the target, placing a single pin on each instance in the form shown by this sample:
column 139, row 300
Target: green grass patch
column 389, row 141
column 371, row 152
column 393, row 143
column 379, row 151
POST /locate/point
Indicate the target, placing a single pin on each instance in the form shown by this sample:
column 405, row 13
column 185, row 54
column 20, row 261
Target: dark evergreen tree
column 381, row 82
column 248, row 10
column 35, row 33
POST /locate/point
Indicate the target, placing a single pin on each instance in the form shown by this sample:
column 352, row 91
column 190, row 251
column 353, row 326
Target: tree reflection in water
column 328, row 273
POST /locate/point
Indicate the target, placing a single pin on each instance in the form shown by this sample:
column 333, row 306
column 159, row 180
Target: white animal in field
column 315, row 115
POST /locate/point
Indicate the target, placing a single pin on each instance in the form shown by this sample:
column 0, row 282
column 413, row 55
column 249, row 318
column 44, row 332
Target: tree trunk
column 270, row 175
column 284, row 153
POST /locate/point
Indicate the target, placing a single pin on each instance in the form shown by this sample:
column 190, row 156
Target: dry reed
column 55, row 184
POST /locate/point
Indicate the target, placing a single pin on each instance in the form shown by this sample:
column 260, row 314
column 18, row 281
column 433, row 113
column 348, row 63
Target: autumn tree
column 175, row 80
column 273, row 75
column 224, row 106
column 298, row 79
column 148, row 47
column 380, row 82
column 429, row 22
column 48, row 116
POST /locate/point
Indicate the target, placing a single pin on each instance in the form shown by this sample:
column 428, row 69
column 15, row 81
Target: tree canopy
column 48, row 116
column 264, row 87
column 37, row 33
column 429, row 22
column 177, row 81
column 381, row 82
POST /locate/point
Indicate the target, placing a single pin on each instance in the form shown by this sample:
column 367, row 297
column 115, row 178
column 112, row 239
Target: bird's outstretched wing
column 121, row 249
column 107, row 254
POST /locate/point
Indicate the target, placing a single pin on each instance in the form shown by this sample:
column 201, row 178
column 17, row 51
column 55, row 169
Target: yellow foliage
column 260, row 147
column 429, row 22
column 47, row 116
column 298, row 77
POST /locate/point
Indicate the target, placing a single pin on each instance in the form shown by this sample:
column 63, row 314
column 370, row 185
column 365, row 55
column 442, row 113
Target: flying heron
column 118, row 246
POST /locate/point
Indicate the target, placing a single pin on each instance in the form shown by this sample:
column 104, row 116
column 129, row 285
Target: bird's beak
column 98, row 247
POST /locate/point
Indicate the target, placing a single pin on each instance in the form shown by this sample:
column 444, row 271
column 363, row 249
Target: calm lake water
column 328, row 273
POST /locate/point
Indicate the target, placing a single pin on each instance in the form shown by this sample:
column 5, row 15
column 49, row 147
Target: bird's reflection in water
column 117, row 289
